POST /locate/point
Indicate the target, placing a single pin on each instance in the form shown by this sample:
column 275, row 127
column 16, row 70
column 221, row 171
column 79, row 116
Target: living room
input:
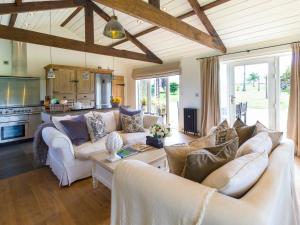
column 133, row 112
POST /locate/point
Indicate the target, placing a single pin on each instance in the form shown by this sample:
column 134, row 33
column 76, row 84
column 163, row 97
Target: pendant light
column 114, row 29
column 51, row 73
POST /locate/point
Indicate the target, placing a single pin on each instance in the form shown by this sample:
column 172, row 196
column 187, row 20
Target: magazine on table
column 129, row 150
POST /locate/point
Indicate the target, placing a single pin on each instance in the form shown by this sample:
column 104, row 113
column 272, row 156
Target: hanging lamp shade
column 114, row 29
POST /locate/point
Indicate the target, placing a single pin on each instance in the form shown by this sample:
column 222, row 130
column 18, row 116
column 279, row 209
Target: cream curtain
column 210, row 82
column 293, row 127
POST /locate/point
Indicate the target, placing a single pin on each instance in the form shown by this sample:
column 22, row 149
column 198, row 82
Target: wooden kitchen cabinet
column 72, row 84
column 118, row 85
column 85, row 82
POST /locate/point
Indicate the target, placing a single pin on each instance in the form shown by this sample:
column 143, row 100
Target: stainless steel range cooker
column 19, row 123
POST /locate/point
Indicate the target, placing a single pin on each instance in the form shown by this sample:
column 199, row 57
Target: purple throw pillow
column 129, row 112
column 76, row 130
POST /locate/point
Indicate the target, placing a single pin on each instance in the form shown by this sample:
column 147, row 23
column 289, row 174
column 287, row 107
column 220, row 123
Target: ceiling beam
column 9, row 8
column 13, row 17
column 17, row 34
column 71, row 16
column 89, row 24
column 205, row 21
column 130, row 37
column 146, row 12
column 155, row 3
column 181, row 17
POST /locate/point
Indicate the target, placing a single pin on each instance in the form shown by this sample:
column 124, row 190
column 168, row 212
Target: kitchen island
column 47, row 115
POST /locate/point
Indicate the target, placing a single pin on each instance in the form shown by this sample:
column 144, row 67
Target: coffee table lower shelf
column 102, row 170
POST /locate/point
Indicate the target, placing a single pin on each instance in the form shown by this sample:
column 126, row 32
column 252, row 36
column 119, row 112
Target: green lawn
column 257, row 99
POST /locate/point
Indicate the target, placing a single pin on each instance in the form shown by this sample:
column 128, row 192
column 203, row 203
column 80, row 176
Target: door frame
column 273, row 93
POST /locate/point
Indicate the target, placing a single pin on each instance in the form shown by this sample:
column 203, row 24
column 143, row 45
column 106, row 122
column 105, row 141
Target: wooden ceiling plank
column 9, row 8
column 71, row 16
column 13, row 17
column 33, row 37
column 129, row 36
column 146, row 12
column 205, row 21
column 183, row 16
column 89, row 24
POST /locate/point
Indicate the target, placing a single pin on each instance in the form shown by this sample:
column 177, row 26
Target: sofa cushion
column 275, row 136
column 96, row 126
column 132, row 124
column 109, row 120
column 244, row 133
column 199, row 164
column 85, row 150
column 176, row 154
column 238, row 123
column 56, row 121
column 259, row 143
column 76, row 130
column 237, row 176
column 134, row 138
column 118, row 120
column 149, row 120
column 128, row 111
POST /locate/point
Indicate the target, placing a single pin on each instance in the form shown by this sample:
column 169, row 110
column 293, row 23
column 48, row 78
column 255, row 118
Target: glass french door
column 253, row 91
column 160, row 96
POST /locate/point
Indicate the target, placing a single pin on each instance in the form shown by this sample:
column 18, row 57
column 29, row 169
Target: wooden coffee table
column 102, row 170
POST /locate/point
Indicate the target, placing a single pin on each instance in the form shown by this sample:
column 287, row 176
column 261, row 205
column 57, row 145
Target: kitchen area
column 69, row 90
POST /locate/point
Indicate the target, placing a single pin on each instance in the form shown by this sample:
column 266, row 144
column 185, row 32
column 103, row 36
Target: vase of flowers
column 115, row 102
column 160, row 132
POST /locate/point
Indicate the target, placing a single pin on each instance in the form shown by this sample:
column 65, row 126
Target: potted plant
column 115, row 102
column 160, row 131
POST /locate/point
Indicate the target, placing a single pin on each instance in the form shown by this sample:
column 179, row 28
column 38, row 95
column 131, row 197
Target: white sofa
column 271, row 201
column 70, row 163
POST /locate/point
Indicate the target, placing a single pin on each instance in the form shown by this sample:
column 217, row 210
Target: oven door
column 13, row 131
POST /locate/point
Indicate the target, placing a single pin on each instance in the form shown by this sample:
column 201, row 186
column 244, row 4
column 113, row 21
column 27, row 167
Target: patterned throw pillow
column 132, row 124
column 221, row 133
column 96, row 126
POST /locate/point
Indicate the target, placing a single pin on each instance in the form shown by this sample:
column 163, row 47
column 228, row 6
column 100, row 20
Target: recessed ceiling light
column 164, row 8
column 31, row 14
column 99, row 41
column 140, row 21
column 26, row 25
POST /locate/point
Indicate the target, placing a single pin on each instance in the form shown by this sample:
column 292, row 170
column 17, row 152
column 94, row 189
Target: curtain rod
column 250, row 50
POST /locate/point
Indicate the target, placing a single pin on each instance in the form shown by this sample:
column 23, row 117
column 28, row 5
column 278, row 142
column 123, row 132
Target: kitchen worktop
column 46, row 115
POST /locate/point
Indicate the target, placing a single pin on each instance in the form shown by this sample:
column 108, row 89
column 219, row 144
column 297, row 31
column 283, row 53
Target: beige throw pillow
column 259, row 143
column 176, row 154
column 276, row 136
column 219, row 132
column 236, row 177
column 244, row 133
column 199, row 164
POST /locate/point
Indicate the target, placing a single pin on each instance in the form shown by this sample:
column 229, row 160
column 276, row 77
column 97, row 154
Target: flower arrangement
column 116, row 100
column 160, row 131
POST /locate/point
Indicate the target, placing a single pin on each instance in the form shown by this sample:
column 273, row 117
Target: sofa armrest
column 58, row 141
column 148, row 195
column 150, row 120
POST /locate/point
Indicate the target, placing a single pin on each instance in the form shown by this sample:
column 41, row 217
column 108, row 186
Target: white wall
column 189, row 87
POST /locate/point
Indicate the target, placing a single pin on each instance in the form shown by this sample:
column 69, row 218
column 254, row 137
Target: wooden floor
column 34, row 198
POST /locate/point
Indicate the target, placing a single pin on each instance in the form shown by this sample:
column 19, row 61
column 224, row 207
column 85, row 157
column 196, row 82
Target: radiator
column 190, row 120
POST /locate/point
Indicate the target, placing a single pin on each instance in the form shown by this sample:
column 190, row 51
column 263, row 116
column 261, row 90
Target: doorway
column 160, row 96
column 257, row 89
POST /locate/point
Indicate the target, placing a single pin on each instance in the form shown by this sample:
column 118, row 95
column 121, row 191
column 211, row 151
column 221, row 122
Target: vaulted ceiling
column 238, row 22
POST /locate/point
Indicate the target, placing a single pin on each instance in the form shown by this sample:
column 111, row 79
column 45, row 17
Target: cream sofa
column 271, row 201
column 70, row 163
